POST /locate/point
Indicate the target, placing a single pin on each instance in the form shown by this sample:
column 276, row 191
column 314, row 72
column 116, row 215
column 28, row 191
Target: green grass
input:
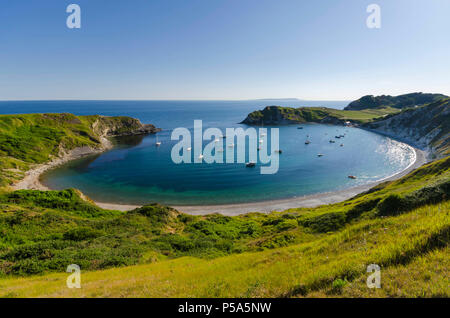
column 333, row 265
column 319, row 114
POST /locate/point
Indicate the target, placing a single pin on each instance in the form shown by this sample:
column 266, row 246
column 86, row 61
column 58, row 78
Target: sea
column 137, row 171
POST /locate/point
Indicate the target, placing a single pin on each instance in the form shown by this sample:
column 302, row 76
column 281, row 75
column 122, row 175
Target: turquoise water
column 138, row 172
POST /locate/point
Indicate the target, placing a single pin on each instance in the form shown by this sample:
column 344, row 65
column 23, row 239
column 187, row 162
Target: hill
column 427, row 127
column 27, row 141
column 279, row 115
column 401, row 101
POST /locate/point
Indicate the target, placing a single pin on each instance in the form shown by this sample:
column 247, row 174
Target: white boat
column 200, row 157
column 216, row 140
column 320, row 155
column 219, row 150
column 189, row 149
column 158, row 143
column 307, row 142
column 261, row 141
column 231, row 145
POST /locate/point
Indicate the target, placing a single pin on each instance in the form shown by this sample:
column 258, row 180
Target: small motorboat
column 158, row 143
column 189, row 149
column 231, row 145
column 332, row 141
column 337, row 137
column 216, row 140
column 219, row 150
column 307, row 142
column 263, row 134
column 320, row 155
column 250, row 164
column 342, row 145
column 259, row 148
column 278, row 151
column 300, row 127
column 261, row 141
column 351, row 177
column 200, row 157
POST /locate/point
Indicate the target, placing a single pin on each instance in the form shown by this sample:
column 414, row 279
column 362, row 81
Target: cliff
column 37, row 141
column 427, row 127
column 401, row 101
column 278, row 115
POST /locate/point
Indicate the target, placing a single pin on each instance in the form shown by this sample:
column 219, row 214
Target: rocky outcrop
column 121, row 126
column 278, row 115
column 426, row 127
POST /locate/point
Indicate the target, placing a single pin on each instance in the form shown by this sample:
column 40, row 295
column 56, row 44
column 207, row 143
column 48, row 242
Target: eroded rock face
column 426, row 127
column 122, row 126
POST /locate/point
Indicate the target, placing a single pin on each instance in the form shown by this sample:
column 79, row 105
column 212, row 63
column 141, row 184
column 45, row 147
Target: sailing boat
column 262, row 125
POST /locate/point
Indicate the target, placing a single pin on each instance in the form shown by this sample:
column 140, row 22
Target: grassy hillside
column 401, row 101
column 412, row 250
column 27, row 140
column 275, row 115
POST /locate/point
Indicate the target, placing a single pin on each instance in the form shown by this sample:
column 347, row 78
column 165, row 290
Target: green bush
column 82, row 233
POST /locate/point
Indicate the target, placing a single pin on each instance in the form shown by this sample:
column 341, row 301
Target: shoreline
column 32, row 181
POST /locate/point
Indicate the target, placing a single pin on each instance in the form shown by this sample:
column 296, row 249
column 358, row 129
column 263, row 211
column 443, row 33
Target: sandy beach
column 32, row 181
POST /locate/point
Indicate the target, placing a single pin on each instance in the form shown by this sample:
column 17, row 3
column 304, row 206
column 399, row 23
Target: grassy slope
column 310, row 269
column 31, row 139
column 317, row 114
column 401, row 101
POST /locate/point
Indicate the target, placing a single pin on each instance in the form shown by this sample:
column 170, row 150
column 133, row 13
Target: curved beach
column 32, row 181
column 312, row 200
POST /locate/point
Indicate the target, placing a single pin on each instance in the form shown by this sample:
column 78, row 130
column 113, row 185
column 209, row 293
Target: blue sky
column 211, row 49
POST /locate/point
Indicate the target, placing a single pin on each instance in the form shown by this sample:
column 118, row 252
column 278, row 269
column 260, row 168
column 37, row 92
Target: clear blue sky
column 211, row 49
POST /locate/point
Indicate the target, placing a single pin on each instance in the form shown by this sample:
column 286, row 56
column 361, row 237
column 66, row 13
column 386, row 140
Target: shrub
column 82, row 233
column 393, row 204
